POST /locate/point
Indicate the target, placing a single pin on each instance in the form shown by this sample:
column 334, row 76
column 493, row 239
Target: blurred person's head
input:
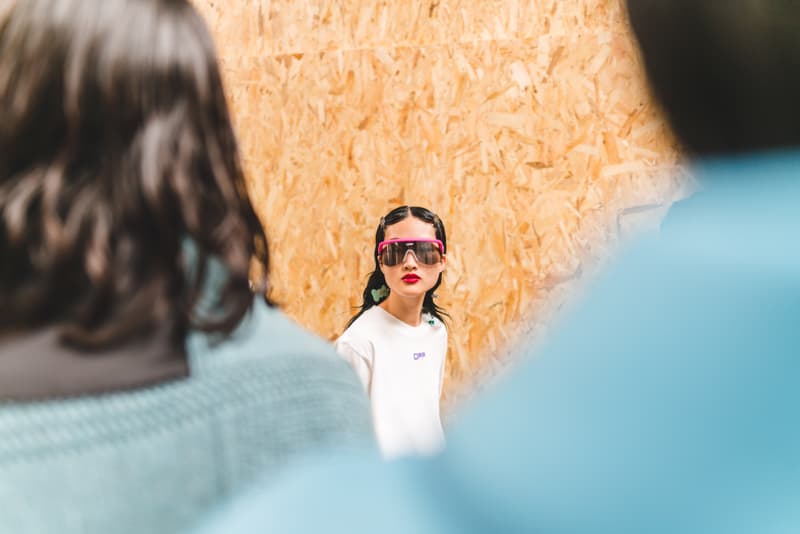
column 726, row 72
column 116, row 150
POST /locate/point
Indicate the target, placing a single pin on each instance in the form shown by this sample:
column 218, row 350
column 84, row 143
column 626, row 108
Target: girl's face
column 411, row 278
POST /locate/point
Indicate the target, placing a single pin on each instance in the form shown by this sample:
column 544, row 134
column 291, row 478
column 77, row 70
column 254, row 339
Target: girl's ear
column 443, row 263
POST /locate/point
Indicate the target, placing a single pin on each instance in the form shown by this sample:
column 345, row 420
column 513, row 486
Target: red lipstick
column 411, row 278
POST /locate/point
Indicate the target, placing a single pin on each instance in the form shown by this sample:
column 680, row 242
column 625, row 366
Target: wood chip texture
column 526, row 125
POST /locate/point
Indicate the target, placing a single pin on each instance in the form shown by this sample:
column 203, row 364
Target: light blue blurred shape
column 666, row 403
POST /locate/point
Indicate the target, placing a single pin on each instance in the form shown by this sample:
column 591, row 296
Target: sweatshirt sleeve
column 359, row 359
column 441, row 368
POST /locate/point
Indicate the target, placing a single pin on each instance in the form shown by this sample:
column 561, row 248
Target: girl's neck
column 407, row 310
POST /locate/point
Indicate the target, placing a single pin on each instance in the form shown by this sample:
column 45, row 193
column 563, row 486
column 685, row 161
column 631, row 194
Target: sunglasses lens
column 392, row 254
column 424, row 251
column 427, row 253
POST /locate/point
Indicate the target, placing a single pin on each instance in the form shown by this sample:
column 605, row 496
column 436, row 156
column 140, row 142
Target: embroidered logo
column 418, row 355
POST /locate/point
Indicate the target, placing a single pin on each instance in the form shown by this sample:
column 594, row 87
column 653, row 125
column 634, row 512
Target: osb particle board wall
column 525, row 125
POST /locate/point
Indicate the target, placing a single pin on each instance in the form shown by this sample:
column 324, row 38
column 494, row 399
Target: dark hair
column 376, row 279
column 727, row 73
column 117, row 155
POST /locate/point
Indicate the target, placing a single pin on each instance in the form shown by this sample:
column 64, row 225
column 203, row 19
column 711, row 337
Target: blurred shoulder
column 266, row 336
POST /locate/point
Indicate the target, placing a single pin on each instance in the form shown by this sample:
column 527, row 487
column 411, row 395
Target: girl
column 398, row 341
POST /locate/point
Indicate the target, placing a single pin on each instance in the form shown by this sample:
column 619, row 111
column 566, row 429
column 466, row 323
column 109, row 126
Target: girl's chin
column 409, row 292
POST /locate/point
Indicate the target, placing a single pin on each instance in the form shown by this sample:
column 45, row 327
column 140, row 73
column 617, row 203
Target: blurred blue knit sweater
column 666, row 402
column 151, row 460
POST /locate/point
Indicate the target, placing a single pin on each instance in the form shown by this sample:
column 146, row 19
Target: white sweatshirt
column 402, row 369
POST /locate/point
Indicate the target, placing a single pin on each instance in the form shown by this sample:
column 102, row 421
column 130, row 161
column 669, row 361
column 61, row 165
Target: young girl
column 397, row 342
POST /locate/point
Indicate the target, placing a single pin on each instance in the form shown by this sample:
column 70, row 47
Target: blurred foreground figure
column 140, row 379
column 668, row 401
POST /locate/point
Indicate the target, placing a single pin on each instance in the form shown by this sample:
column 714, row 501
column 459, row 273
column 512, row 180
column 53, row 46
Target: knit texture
column 153, row 460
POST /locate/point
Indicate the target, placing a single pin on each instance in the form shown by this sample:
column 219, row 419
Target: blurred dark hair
column 376, row 279
column 726, row 72
column 116, row 152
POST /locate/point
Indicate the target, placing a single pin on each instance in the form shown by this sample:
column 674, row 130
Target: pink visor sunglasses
column 393, row 251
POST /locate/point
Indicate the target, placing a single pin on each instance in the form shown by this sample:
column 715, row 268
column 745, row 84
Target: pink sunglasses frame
column 382, row 244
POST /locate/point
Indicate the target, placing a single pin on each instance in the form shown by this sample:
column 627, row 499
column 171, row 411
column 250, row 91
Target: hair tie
column 380, row 293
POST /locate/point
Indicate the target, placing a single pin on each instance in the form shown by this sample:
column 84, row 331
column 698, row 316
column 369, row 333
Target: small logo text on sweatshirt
column 418, row 355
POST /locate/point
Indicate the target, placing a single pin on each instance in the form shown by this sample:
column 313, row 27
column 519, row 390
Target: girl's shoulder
column 436, row 326
column 367, row 324
column 359, row 336
column 433, row 321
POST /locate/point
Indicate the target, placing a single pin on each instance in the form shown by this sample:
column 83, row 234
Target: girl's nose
column 409, row 260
